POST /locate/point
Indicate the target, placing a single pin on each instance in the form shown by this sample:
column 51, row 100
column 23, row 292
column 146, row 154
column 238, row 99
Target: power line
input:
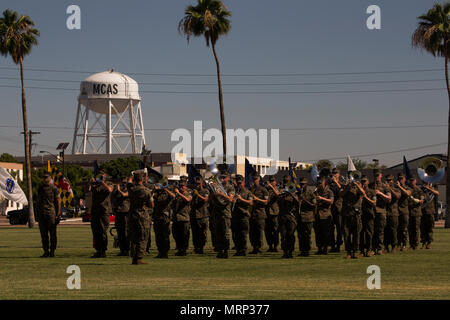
column 281, row 129
column 381, row 153
column 254, row 92
column 235, row 75
column 244, row 84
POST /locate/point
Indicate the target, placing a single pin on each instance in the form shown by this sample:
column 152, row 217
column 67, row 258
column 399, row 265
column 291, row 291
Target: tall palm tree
column 17, row 37
column 209, row 18
column 433, row 35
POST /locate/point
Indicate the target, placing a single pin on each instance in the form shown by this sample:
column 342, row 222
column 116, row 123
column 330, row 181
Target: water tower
column 109, row 115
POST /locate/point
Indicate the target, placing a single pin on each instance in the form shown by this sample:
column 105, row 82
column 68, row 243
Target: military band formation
column 365, row 218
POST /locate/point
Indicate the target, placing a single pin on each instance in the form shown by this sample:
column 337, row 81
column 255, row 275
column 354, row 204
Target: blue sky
column 267, row 37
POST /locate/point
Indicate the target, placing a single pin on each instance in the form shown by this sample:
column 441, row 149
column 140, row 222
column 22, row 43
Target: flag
column 231, row 168
column 49, row 167
column 314, row 173
column 192, row 174
column 153, row 175
column 350, row 166
column 249, row 171
column 10, row 189
column 65, row 191
column 56, row 175
column 292, row 173
column 406, row 170
column 96, row 170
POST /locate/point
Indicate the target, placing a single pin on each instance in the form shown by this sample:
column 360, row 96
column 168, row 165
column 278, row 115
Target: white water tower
column 109, row 115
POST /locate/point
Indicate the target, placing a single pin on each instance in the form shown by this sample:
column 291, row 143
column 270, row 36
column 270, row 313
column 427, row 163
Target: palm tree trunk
column 27, row 151
column 447, row 187
column 222, row 115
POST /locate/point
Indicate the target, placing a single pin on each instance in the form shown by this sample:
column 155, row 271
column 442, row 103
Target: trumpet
column 290, row 187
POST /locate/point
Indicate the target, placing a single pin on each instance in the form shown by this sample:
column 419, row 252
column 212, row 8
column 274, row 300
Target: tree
column 359, row 165
column 209, row 18
column 121, row 168
column 433, row 36
column 17, row 37
column 6, row 157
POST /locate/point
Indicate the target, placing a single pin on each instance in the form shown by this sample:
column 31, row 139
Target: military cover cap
column 46, row 175
column 286, row 178
column 303, row 181
column 183, row 178
column 401, row 175
column 223, row 175
column 272, row 178
column 255, row 175
column 198, row 179
column 239, row 178
column 389, row 177
column 376, row 172
column 412, row 178
column 364, row 178
column 335, row 170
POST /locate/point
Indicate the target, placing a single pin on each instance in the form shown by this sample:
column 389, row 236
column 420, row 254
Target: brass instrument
column 213, row 182
column 431, row 170
column 320, row 169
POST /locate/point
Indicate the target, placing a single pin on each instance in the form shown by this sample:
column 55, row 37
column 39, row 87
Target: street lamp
column 63, row 146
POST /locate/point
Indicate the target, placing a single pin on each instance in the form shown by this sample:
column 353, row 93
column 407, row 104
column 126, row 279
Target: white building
column 16, row 171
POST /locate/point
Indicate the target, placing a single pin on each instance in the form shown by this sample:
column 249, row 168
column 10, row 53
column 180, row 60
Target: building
column 16, row 171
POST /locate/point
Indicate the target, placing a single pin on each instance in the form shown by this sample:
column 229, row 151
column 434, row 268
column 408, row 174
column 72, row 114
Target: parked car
column 18, row 216
column 86, row 217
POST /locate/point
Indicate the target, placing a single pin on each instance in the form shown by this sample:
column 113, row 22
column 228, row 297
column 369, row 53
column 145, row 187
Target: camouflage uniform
column 415, row 210
column 289, row 206
column 271, row 229
column 258, row 218
column 161, row 219
column 101, row 208
column 199, row 220
column 336, row 213
column 139, row 218
column 368, row 217
column 351, row 214
column 121, row 209
column 403, row 219
column 427, row 221
column 305, row 220
column 149, row 242
column 324, row 219
column 380, row 215
column 390, row 233
column 222, row 221
column 181, row 222
column 48, row 207
column 240, row 221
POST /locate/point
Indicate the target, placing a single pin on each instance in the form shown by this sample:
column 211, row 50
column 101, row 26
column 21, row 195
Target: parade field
column 420, row 274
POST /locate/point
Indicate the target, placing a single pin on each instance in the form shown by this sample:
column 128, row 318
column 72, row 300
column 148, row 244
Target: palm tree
column 433, row 35
column 17, row 37
column 209, row 18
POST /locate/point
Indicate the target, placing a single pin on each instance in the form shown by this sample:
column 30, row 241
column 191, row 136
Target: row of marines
column 361, row 216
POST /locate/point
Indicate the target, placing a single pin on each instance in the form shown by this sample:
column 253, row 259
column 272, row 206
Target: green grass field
column 420, row 274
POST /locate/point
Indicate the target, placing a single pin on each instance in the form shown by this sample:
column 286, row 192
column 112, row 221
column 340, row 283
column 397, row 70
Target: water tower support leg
column 74, row 149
